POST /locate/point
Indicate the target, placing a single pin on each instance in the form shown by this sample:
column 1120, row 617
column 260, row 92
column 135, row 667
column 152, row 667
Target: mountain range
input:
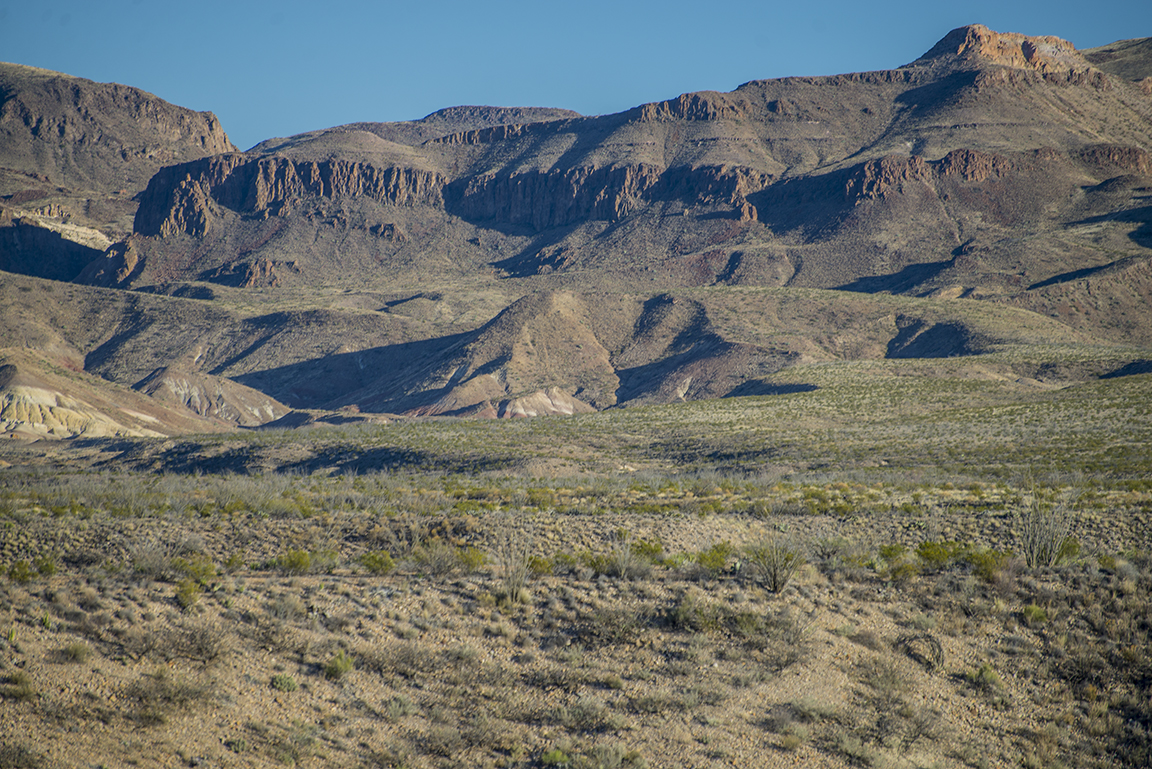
column 991, row 200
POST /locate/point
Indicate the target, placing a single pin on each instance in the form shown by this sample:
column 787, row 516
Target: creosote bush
column 379, row 562
column 339, row 666
column 284, row 683
column 715, row 560
column 555, row 757
column 295, row 562
column 188, row 593
column 21, row 572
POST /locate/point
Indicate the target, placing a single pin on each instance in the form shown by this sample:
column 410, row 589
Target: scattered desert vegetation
column 829, row 577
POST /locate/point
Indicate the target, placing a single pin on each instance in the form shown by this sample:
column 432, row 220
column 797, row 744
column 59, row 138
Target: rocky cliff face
column 116, row 268
column 546, row 199
column 179, row 199
column 96, row 136
column 73, row 155
column 696, row 106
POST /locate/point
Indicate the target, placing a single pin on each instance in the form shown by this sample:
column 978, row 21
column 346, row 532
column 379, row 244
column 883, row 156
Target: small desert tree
column 774, row 561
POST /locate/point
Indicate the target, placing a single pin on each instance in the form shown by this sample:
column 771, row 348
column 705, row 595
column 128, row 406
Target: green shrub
column 904, row 571
column 597, row 562
column 45, row 566
column 188, row 593
column 379, row 562
column 339, row 666
column 471, row 558
column 200, row 569
column 935, row 556
column 1034, row 615
column 651, row 551
column 988, row 563
column 539, row 566
column 714, row 560
column 555, row 757
column 892, row 553
column 21, row 572
column 295, row 562
column 565, row 563
column 284, row 682
column 984, row 678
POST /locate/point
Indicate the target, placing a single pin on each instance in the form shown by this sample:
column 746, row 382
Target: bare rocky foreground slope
column 990, row 195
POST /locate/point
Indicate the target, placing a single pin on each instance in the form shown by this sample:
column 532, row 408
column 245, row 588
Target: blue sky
column 279, row 69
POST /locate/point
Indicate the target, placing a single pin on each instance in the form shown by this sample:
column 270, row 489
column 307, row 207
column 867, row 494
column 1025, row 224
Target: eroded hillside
column 482, row 261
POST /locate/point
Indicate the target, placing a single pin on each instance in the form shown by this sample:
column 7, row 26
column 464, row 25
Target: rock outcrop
column 1045, row 54
column 180, row 199
column 876, row 179
column 705, row 105
column 116, row 268
column 550, row 402
column 544, row 200
column 96, row 136
column 1113, row 157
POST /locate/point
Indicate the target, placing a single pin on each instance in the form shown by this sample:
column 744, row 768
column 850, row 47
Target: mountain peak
column 1009, row 49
